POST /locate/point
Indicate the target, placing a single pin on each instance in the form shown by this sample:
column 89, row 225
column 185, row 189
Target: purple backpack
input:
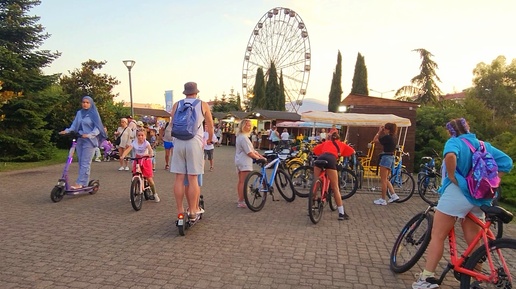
column 483, row 177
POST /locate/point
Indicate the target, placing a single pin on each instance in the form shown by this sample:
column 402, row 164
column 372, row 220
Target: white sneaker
column 121, row 168
column 126, row 168
column 423, row 284
column 380, row 202
column 156, row 198
column 98, row 160
column 393, row 198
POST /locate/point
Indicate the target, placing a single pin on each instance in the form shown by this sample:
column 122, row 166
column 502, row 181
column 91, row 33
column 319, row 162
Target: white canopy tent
column 359, row 119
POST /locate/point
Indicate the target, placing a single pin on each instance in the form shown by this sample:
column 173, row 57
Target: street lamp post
column 129, row 64
column 382, row 92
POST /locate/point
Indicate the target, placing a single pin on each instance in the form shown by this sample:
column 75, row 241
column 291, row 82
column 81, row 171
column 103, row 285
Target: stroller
column 110, row 151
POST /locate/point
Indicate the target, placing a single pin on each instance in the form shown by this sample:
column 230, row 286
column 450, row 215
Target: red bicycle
column 492, row 265
column 320, row 193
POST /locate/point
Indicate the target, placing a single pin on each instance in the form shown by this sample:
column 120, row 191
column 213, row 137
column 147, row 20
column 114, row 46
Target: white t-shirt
column 141, row 149
column 284, row 135
column 213, row 141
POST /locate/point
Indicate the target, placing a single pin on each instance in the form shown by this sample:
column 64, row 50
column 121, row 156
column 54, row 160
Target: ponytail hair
column 457, row 127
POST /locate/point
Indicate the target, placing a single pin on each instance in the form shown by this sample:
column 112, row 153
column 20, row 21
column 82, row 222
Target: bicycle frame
column 69, row 161
column 456, row 262
column 325, row 184
column 274, row 164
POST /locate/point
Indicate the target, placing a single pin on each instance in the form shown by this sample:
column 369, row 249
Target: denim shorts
column 387, row 161
column 453, row 203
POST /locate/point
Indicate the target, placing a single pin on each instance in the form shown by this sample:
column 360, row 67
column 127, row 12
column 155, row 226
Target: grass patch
column 59, row 157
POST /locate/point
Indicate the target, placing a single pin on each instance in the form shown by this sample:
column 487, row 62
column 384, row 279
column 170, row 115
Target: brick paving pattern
column 99, row 241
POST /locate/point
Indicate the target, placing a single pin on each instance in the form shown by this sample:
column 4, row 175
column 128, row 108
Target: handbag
column 119, row 138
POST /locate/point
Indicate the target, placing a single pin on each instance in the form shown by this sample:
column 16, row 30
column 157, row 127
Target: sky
column 176, row 41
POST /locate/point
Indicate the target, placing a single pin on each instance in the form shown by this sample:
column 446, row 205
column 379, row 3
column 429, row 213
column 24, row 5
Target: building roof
column 365, row 100
column 264, row 115
column 151, row 112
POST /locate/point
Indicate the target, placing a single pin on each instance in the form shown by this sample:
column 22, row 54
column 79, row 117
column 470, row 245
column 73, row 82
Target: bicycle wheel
column 503, row 256
column 348, row 183
column 428, row 189
column 255, row 191
column 411, row 243
column 331, row 200
column 284, row 186
column 302, row 179
column 136, row 195
column 293, row 164
column 404, row 186
column 358, row 169
column 315, row 202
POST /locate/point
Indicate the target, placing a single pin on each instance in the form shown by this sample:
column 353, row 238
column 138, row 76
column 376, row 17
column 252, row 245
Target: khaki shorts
column 187, row 157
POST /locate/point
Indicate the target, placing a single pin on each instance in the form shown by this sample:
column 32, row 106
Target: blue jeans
column 85, row 151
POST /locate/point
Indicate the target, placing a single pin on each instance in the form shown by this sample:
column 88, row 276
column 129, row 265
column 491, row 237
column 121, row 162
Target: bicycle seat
column 321, row 163
column 497, row 212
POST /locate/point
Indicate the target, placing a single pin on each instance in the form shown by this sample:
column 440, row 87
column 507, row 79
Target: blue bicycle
column 429, row 181
column 257, row 185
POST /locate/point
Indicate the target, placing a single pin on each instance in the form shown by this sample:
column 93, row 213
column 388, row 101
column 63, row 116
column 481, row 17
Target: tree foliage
column 335, row 96
column 227, row 104
column 272, row 90
column 281, row 98
column 360, row 77
column 24, row 101
column 20, row 60
column 86, row 81
column 423, row 88
column 258, row 99
column 495, row 86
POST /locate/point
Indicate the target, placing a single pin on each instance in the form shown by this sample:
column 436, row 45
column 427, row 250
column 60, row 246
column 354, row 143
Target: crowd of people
column 186, row 159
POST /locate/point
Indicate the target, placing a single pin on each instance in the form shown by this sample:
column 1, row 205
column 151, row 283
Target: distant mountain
column 310, row 104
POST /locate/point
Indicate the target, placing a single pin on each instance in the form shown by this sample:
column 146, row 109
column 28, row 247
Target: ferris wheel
column 280, row 36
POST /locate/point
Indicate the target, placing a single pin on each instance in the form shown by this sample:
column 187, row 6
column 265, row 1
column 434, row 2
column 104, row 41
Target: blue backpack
column 184, row 126
column 483, row 177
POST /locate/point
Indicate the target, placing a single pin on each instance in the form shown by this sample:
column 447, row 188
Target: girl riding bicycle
column 456, row 201
column 329, row 151
column 143, row 148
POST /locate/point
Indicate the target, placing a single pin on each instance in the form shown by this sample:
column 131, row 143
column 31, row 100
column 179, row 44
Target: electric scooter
column 63, row 187
column 183, row 222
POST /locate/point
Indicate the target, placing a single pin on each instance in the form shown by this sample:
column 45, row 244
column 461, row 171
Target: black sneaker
column 343, row 217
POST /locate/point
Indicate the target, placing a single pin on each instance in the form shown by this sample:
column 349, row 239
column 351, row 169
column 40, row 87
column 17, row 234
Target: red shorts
column 145, row 166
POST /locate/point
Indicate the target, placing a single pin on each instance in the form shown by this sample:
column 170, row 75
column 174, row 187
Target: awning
column 354, row 119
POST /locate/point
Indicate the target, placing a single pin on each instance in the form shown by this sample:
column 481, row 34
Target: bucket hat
column 190, row 88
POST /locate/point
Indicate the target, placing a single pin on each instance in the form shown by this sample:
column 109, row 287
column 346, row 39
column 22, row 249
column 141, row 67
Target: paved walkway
column 99, row 241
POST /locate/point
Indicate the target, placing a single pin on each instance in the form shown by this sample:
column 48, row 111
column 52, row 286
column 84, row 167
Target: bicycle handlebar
column 137, row 158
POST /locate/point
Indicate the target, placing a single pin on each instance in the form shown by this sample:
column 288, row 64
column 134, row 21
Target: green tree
column 495, row 86
column 258, row 100
column 24, row 103
column 424, row 88
column 86, row 81
column 335, row 96
column 272, row 90
column 281, row 99
column 360, row 77
column 20, row 59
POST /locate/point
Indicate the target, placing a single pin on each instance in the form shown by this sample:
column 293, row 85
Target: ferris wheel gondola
column 279, row 37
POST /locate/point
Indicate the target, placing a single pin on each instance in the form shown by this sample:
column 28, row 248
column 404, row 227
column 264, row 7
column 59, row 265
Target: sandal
column 211, row 169
column 167, row 167
column 76, row 187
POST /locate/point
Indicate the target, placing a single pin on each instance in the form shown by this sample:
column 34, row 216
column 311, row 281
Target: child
column 154, row 143
column 107, row 147
column 143, row 148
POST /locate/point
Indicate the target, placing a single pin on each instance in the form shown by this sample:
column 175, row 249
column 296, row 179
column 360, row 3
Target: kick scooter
column 63, row 187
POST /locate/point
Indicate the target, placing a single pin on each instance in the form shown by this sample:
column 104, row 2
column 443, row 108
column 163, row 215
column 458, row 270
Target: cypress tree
column 272, row 90
column 336, row 87
column 360, row 77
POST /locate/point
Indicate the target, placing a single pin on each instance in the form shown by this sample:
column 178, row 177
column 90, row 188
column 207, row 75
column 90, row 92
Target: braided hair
column 457, row 127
